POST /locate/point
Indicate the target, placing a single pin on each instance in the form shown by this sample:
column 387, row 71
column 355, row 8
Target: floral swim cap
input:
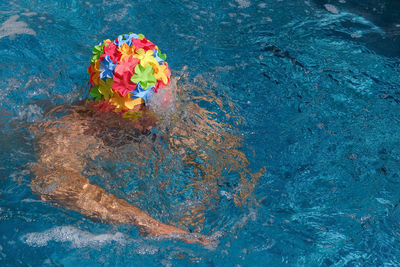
column 127, row 71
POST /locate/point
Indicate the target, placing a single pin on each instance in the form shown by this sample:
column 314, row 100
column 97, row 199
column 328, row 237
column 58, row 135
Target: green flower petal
column 97, row 51
column 94, row 92
column 144, row 76
column 162, row 56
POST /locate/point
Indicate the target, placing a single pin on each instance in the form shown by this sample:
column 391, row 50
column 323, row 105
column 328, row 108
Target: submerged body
column 68, row 144
column 64, row 147
column 86, row 132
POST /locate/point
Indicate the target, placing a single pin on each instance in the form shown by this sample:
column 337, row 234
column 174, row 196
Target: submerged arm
column 74, row 191
column 58, row 178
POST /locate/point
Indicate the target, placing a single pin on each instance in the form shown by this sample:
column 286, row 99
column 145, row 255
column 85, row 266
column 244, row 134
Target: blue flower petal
column 140, row 92
column 125, row 38
column 133, row 35
column 107, row 66
column 155, row 55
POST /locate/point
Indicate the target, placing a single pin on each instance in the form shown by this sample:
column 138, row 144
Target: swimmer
column 124, row 75
column 131, row 88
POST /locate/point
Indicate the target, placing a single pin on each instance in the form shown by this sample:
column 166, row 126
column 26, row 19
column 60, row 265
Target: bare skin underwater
column 66, row 143
column 63, row 146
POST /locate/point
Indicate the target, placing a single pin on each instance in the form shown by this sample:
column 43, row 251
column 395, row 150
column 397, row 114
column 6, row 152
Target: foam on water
column 12, row 27
column 331, row 8
column 73, row 235
column 243, row 3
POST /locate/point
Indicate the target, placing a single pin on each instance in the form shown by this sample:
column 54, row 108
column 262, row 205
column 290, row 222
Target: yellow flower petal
column 132, row 115
column 124, row 103
column 126, row 50
column 96, row 73
column 133, row 102
column 160, row 73
column 146, row 58
column 96, row 65
column 105, row 88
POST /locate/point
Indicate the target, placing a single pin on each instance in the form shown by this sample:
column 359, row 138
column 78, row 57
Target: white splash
column 75, row 236
column 29, row 14
column 331, row 8
column 243, row 3
column 30, row 113
column 163, row 102
column 12, row 27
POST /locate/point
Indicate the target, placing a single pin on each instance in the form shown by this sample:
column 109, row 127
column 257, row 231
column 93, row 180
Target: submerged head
column 126, row 73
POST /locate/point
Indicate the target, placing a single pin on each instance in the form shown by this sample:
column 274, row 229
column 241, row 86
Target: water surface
column 311, row 88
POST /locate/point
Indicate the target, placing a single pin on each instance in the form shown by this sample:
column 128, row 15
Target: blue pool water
column 311, row 87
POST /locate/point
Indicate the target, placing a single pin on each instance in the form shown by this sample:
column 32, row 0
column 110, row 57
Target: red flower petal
column 144, row 43
column 111, row 50
column 122, row 76
column 123, row 84
column 128, row 65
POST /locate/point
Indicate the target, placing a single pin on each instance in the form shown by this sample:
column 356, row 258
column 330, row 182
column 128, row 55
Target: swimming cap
column 127, row 71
